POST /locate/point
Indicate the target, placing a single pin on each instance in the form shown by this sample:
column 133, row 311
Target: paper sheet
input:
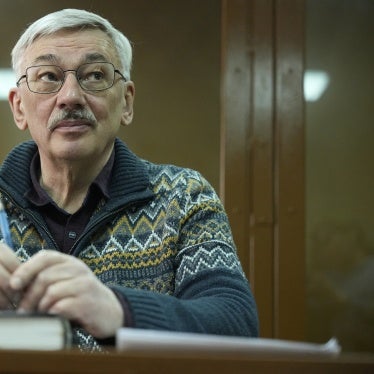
column 139, row 340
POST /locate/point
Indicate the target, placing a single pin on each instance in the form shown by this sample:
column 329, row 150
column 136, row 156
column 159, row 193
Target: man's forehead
column 85, row 45
column 51, row 58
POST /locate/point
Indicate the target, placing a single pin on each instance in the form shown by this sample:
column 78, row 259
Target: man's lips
column 70, row 125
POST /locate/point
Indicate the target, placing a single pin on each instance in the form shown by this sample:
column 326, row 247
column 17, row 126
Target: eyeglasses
column 93, row 76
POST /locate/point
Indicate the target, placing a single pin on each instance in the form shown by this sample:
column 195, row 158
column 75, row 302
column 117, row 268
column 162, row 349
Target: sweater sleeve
column 212, row 294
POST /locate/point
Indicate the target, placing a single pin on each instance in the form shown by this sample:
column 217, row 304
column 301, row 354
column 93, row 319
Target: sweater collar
column 129, row 176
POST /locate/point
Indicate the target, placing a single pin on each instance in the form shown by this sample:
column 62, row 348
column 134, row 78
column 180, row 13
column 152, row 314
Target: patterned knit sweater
column 162, row 241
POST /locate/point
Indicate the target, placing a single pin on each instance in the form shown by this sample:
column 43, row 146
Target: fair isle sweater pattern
column 163, row 230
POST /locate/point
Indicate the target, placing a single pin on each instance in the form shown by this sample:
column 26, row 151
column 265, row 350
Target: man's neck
column 68, row 183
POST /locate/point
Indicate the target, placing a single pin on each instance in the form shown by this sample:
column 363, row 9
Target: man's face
column 59, row 137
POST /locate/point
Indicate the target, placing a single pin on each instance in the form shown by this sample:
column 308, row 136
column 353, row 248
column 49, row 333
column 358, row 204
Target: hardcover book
column 34, row 331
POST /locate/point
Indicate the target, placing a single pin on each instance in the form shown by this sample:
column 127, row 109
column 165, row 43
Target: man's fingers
column 45, row 286
column 8, row 263
column 8, row 258
column 55, row 294
column 25, row 274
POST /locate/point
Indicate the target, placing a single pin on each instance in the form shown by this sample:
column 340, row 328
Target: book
column 140, row 340
column 34, row 331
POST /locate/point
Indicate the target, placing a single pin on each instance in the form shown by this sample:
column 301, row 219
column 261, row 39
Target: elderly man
column 99, row 235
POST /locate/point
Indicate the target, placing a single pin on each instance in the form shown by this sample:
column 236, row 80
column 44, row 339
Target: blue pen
column 4, row 226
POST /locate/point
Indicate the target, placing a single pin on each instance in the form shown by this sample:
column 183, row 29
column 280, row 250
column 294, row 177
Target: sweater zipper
column 105, row 217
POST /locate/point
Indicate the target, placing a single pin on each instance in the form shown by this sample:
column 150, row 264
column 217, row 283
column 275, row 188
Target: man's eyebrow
column 46, row 58
column 93, row 57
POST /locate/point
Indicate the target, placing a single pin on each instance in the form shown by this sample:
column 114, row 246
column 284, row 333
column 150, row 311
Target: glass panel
column 340, row 173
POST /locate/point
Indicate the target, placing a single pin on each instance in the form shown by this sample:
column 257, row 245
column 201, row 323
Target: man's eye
column 49, row 77
column 93, row 76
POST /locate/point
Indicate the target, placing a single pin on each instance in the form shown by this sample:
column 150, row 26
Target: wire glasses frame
column 92, row 76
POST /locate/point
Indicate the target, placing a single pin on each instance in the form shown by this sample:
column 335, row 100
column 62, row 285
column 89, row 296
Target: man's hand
column 8, row 264
column 57, row 283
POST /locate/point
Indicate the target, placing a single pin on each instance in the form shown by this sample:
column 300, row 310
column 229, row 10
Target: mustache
column 71, row 114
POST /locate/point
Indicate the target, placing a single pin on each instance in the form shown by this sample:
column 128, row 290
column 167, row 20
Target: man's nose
column 70, row 77
column 71, row 93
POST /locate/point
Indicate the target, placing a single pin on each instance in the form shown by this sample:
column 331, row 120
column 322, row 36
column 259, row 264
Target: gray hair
column 73, row 19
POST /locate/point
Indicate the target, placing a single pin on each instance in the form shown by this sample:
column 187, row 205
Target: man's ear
column 16, row 105
column 128, row 104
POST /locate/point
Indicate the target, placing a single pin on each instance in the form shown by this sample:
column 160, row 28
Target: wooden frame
column 262, row 158
column 112, row 362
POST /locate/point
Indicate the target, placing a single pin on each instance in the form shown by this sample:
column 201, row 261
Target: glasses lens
column 96, row 76
column 44, row 78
